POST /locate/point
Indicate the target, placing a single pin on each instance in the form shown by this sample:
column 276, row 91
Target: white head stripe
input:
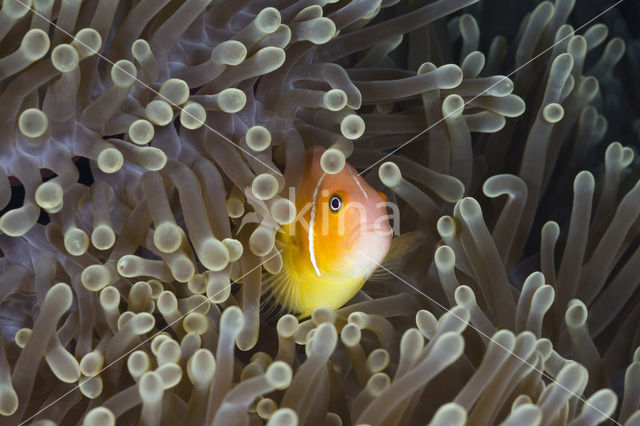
column 312, row 254
column 359, row 185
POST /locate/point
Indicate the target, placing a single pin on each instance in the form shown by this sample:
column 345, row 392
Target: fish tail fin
column 402, row 247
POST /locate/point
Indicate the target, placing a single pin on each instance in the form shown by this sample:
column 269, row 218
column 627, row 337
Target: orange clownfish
column 339, row 238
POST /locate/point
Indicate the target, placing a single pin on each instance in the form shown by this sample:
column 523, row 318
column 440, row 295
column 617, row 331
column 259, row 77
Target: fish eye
column 335, row 203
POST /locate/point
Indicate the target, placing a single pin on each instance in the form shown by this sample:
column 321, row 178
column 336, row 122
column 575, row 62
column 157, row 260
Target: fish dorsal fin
column 402, row 247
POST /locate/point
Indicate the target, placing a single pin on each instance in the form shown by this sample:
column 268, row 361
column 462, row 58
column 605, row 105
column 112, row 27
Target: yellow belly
column 299, row 289
column 327, row 291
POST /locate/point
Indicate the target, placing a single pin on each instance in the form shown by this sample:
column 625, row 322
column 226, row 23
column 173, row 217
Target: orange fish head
column 348, row 230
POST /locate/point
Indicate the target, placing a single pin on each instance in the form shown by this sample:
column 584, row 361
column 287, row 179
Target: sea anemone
column 151, row 150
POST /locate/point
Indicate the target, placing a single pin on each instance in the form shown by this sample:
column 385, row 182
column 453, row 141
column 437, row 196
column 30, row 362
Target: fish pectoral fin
column 280, row 292
column 402, row 247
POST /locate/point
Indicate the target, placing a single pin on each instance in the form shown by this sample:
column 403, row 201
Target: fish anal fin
column 402, row 247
